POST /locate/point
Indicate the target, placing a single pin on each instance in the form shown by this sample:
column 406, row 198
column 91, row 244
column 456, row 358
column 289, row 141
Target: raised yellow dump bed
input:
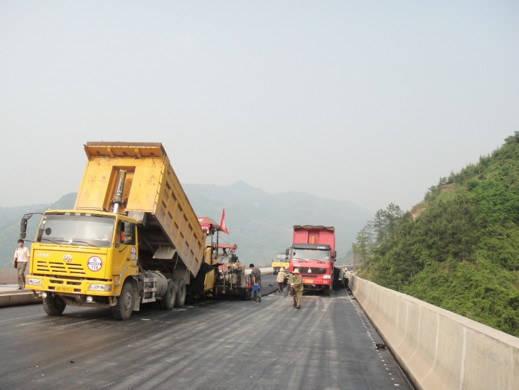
column 152, row 195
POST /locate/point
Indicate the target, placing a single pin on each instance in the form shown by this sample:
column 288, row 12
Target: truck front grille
column 312, row 271
column 59, row 268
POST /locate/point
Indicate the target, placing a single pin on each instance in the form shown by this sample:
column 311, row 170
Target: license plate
column 309, row 281
column 64, row 289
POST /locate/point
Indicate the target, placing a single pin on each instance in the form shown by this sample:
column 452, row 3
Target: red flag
column 223, row 226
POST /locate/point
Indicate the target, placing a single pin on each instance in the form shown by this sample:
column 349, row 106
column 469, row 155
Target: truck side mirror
column 23, row 224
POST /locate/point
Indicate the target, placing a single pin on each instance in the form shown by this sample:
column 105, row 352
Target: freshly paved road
column 328, row 344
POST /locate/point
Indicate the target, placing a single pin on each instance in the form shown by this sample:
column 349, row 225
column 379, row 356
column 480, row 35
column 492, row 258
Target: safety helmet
column 296, row 271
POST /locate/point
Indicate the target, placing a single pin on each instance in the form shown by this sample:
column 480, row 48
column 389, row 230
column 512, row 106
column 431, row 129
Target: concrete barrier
column 439, row 349
column 10, row 296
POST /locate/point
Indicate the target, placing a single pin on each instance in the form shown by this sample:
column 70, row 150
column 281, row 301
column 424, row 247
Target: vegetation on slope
column 459, row 248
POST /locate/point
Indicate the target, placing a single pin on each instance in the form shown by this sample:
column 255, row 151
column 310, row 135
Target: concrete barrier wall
column 17, row 298
column 439, row 349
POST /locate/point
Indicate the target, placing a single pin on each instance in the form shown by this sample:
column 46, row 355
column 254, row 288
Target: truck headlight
column 99, row 287
column 327, row 276
column 34, row 282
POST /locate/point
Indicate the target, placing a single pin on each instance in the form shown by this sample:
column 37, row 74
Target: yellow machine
column 131, row 238
column 280, row 261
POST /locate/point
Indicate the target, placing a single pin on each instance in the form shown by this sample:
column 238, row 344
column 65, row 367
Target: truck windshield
column 311, row 254
column 76, row 229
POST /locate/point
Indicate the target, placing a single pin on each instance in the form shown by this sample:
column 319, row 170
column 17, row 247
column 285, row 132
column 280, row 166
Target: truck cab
column 313, row 253
column 83, row 255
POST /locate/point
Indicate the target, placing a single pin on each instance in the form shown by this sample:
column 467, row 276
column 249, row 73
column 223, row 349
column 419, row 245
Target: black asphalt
column 328, row 344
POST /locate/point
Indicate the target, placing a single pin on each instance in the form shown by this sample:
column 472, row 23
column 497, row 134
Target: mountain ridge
column 259, row 222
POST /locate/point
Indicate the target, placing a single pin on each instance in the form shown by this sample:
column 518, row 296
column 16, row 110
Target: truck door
column 125, row 253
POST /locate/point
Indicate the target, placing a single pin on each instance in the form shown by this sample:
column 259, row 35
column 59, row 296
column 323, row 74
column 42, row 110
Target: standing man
column 290, row 284
column 255, row 276
column 297, row 286
column 281, row 280
column 20, row 260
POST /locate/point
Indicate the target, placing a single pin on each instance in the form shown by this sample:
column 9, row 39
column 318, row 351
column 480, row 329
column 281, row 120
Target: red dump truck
column 313, row 253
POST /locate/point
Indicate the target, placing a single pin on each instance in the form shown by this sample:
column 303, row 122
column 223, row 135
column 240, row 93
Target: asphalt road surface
column 328, row 344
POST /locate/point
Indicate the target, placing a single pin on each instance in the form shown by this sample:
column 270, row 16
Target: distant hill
column 10, row 218
column 459, row 248
column 260, row 223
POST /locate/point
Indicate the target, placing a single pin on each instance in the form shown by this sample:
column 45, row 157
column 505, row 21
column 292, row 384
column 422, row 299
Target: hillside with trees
column 459, row 248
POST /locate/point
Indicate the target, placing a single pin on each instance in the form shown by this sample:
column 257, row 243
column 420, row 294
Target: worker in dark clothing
column 255, row 276
column 290, row 283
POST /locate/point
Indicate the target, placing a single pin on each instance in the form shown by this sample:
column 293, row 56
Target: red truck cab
column 313, row 253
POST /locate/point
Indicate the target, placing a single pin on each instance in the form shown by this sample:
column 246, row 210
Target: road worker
column 255, row 276
column 281, row 280
column 290, row 282
column 297, row 288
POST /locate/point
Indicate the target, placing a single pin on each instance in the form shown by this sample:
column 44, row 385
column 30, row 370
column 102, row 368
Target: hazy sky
column 367, row 101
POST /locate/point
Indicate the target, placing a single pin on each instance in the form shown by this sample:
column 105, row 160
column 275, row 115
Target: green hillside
column 260, row 223
column 459, row 248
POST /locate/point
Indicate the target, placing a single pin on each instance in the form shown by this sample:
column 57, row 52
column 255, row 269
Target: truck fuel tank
column 155, row 280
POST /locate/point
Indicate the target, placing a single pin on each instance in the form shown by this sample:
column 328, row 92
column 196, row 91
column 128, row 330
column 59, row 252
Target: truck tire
column 181, row 293
column 124, row 306
column 328, row 291
column 169, row 299
column 53, row 305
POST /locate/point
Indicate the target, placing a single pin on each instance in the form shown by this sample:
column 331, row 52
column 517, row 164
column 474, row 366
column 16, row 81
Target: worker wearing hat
column 281, row 280
column 296, row 284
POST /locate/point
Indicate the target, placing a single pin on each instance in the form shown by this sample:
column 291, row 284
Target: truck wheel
column 124, row 306
column 53, row 305
column 328, row 291
column 168, row 300
column 181, row 293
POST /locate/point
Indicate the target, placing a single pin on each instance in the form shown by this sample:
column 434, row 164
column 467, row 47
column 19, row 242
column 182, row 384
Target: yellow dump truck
column 131, row 238
column 280, row 261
